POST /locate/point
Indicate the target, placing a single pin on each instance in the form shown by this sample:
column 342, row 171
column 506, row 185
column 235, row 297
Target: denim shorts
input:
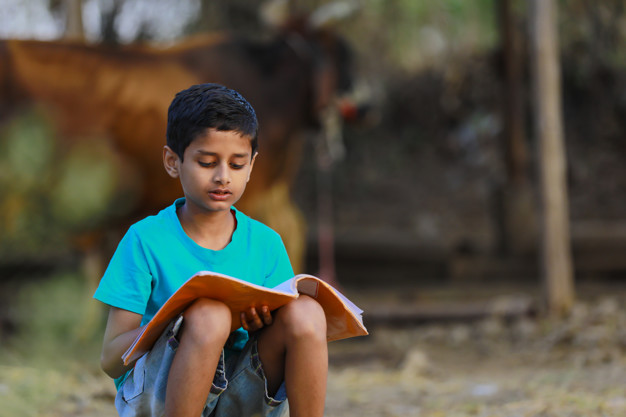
column 239, row 387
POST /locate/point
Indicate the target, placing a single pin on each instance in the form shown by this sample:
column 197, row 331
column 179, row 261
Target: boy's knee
column 207, row 321
column 304, row 317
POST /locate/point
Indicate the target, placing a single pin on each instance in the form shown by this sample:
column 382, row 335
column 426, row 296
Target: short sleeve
column 280, row 269
column 127, row 281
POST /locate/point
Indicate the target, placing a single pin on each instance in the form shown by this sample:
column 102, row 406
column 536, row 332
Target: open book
column 343, row 318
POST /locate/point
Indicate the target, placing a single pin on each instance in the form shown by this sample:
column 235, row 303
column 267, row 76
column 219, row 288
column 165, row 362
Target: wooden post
column 556, row 250
column 329, row 148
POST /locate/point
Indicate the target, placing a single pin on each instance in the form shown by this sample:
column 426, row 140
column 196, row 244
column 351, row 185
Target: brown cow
column 124, row 93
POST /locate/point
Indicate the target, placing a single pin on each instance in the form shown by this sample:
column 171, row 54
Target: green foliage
column 27, row 152
column 26, row 157
column 593, row 32
column 413, row 34
column 50, row 316
column 51, row 188
column 85, row 185
column 49, row 360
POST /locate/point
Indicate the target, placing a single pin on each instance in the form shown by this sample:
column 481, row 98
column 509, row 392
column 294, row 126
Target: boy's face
column 215, row 169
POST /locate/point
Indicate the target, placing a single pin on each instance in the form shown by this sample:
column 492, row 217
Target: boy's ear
column 170, row 162
column 252, row 165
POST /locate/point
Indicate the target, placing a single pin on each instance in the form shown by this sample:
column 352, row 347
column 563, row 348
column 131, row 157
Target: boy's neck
column 210, row 230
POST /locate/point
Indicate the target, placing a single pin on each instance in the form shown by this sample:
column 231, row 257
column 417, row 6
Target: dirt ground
column 519, row 366
column 495, row 366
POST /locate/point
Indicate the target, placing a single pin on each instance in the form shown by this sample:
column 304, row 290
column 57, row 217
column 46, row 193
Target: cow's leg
column 92, row 268
column 277, row 211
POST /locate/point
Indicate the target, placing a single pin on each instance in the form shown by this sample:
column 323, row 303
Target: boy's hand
column 252, row 321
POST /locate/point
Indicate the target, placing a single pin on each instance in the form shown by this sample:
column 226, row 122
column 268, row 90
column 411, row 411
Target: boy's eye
column 206, row 164
column 237, row 166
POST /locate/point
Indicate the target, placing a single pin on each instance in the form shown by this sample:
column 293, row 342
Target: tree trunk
column 516, row 209
column 74, row 20
column 556, row 250
column 515, row 135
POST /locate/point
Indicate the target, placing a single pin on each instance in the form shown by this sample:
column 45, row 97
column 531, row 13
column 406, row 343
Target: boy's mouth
column 219, row 194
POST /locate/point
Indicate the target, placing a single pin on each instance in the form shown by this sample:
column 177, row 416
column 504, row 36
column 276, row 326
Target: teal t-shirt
column 156, row 257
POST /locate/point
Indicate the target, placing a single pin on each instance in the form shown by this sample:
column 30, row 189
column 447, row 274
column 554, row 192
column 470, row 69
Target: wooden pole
column 556, row 250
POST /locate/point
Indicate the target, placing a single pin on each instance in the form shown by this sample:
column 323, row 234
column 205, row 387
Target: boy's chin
column 211, row 206
column 222, row 206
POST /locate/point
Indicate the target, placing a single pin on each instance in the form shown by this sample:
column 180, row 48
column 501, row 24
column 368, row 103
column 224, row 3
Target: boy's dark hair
column 206, row 106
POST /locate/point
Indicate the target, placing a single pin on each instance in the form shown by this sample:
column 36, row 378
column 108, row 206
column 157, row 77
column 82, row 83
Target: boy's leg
column 206, row 328
column 294, row 349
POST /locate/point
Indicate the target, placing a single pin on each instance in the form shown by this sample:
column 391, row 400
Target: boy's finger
column 267, row 316
column 244, row 321
column 255, row 319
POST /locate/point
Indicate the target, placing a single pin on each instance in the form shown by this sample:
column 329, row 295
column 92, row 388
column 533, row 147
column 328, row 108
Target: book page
column 308, row 287
column 349, row 303
column 287, row 286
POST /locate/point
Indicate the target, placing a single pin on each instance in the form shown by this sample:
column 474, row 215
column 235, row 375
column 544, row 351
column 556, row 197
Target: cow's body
column 125, row 92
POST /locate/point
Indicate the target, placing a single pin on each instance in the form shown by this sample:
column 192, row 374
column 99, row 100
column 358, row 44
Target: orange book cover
column 343, row 318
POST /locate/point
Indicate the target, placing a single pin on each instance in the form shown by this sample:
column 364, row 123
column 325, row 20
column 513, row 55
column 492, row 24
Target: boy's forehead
column 212, row 137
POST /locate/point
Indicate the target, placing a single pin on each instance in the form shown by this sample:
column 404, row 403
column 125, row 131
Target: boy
column 198, row 367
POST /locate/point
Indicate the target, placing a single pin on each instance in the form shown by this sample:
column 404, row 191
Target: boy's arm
column 121, row 330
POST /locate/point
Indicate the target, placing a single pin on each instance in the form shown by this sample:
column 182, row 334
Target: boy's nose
column 222, row 176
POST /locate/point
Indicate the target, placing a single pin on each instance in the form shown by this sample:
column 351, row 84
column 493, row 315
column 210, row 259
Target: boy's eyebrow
column 236, row 155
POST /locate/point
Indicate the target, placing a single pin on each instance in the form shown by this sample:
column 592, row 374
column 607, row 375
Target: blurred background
column 403, row 157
